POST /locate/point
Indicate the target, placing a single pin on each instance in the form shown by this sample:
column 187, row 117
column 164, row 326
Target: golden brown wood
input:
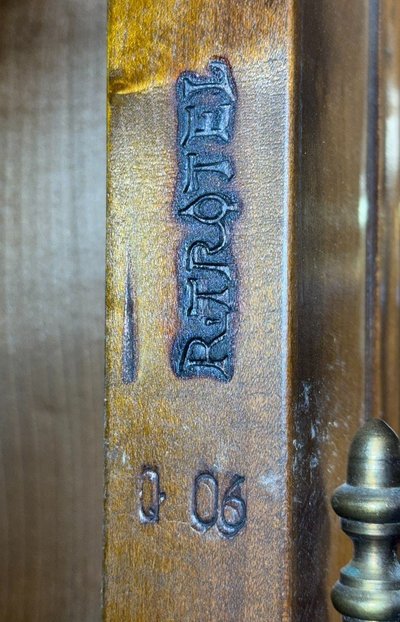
column 308, row 331
column 52, row 117
column 168, row 571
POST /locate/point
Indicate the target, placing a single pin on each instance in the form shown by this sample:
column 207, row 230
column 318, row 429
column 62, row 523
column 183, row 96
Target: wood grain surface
column 185, row 427
column 316, row 339
column 385, row 227
column 52, row 197
column 347, row 265
column 331, row 282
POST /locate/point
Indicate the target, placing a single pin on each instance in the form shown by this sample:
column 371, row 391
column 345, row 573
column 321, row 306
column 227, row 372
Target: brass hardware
column 369, row 507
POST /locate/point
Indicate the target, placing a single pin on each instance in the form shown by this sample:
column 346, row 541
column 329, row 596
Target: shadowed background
column 52, row 221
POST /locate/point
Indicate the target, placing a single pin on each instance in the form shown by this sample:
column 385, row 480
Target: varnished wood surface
column 51, row 275
column 330, row 333
column 170, row 571
column 331, row 283
column 52, row 196
column 348, row 264
column 386, row 225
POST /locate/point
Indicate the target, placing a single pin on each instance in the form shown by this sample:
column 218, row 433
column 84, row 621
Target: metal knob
column 369, row 507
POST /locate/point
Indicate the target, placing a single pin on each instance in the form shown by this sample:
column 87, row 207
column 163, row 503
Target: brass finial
column 369, row 506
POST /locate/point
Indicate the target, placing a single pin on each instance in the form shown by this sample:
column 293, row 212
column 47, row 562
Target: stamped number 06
column 228, row 514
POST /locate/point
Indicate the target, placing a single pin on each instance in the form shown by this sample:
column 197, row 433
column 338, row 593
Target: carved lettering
column 203, row 517
column 150, row 496
column 199, row 300
column 223, row 507
column 220, row 80
column 209, row 209
column 199, row 353
column 207, row 201
column 230, row 517
column 206, row 123
column 193, row 169
column 198, row 258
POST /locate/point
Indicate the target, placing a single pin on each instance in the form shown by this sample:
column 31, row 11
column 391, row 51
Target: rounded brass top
column 374, row 458
column 369, row 506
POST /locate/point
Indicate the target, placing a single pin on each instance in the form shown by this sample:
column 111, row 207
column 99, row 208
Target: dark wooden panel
column 52, row 117
column 386, row 259
column 331, row 274
column 348, row 264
